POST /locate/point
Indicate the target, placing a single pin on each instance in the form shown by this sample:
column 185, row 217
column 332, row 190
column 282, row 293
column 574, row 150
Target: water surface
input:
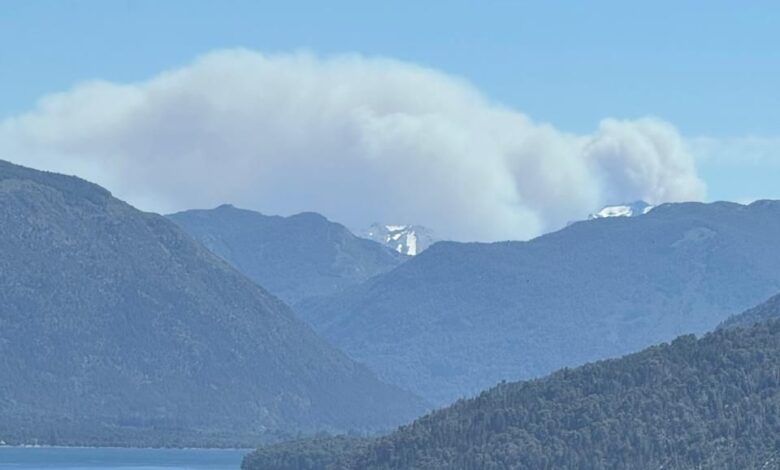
column 74, row 458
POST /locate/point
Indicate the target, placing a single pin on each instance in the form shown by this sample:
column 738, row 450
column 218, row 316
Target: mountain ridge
column 460, row 316
column 763, row 312
column 294, row 257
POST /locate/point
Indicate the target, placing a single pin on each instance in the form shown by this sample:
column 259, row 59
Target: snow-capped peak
column 623, row 210
column 406, row 239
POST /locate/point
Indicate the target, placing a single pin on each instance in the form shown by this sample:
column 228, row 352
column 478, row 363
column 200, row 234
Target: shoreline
column 46, row 446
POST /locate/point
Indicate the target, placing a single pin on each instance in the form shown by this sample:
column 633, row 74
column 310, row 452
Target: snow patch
column 407, row 239
column 623, row 210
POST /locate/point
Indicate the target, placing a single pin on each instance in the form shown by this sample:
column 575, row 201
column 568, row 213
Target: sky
column 533, row 111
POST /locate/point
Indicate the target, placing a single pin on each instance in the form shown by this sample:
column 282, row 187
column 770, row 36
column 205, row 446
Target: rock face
column 462, row 316
column 115, row 322
column 295, row 257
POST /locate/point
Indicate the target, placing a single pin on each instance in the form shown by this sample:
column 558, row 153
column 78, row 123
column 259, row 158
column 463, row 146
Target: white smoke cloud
column 357, row 139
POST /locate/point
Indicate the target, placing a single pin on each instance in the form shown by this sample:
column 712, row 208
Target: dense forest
column 712, row 402
column 144, row 337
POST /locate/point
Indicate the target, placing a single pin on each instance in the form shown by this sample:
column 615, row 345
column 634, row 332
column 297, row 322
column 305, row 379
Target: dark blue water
column 70, row 458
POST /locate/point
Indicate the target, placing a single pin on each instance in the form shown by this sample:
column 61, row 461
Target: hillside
column 768, row 310
column 294, row 257
column 707, row 403
column 460, row 317
column 116, row 326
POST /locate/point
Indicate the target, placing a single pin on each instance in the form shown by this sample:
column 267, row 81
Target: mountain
column 462, row 316
column 117, row 328
column 707, row 403
column 623, row 210
column 766, row 311
column 293, row 257
column 409, row 240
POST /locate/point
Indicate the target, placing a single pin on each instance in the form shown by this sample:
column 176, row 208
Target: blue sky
column 710, row 68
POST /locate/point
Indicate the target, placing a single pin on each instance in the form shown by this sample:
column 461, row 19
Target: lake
column 75, row 458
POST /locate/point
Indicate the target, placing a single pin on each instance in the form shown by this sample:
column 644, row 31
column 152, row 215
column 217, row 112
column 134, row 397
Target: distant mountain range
column 294, row 257
column 462, row 316
column 117, row 328
column 409, row 240
column 707, row 403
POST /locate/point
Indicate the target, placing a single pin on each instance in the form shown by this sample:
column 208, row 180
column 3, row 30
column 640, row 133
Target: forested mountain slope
column 115, row 323
column 460, row 317
column 707, row 403
column 294, row 257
